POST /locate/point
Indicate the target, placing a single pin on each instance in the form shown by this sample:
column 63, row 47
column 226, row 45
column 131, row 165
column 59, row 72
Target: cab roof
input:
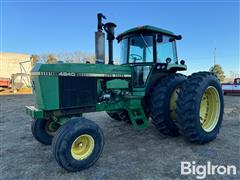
column 145, row 28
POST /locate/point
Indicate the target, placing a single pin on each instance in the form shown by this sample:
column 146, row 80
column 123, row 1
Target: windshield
column 140, row 49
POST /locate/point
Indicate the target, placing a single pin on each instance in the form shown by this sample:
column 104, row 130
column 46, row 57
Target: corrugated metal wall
column 10, row 63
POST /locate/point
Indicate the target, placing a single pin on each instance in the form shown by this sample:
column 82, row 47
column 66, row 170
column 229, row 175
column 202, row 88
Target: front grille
column 77, row 92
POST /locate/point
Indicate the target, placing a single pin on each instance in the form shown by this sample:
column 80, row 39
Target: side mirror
column 168, row 60
column 182, row 62
column 179, row 37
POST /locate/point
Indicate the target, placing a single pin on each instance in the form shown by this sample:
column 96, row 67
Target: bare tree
column 34, row 59
column 51, row 59
column 69, row 57
column 234, row 74
column 217, row 69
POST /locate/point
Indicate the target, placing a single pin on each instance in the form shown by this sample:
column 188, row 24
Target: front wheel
column 200, row 108
column 78, row 144
column 43, row 130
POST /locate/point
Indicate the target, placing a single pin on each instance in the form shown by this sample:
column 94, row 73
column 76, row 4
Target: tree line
column 70, row 57
column 80, row 57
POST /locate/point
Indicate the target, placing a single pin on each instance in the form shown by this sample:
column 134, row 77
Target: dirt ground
column 128, row 154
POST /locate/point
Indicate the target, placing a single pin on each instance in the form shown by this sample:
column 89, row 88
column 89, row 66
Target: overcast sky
column 57, row 26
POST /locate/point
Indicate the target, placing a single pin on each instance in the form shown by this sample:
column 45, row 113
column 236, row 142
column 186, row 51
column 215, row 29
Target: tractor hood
column 61, row 86
column 85, row 70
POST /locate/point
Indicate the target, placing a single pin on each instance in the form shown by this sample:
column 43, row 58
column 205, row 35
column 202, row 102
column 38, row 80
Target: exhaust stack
column 100, row 40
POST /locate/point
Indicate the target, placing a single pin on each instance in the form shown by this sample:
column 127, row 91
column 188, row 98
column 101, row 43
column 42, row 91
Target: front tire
column 200, row 108
column 78, row 144
column 43, row 130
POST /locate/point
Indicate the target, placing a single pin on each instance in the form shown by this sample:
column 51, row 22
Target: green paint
column 117, row 84
column 146, row 27
column 110, row 106
column 46, row 92
column 84, row 68
column 136, row 113
column 34, row 112
column 178, row 67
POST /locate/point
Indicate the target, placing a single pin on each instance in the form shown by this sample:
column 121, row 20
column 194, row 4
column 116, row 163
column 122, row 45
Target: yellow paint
column 209, row 109
column 82, row 147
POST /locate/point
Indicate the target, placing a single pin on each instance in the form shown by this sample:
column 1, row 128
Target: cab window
column 123, row 51
column 166, row 48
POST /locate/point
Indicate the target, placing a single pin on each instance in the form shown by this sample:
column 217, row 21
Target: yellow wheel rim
column 209, row 109
column 49, row 128
column 82, row 147
column 173, row 104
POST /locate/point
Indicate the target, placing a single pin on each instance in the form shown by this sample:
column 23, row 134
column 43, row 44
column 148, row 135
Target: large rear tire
column 200, row 108
column 78, row 144
column 163, row 99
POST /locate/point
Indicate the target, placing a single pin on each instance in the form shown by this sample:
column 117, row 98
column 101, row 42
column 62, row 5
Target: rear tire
column 78, row 144
column 200, row 108
column 162, row 106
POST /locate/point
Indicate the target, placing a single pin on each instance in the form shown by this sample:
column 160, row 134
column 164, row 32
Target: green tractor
column 144, row 88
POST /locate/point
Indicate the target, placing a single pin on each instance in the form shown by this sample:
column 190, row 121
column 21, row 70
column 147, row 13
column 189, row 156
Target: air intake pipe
column 109, row 28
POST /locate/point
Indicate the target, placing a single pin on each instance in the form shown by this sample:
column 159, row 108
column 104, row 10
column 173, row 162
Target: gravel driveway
column 128, row 154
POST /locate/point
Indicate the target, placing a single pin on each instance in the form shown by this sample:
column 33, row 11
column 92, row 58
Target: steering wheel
column 135, row 57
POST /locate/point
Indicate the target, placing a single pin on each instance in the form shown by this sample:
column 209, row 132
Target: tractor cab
column 148, row 44
column 146, row 48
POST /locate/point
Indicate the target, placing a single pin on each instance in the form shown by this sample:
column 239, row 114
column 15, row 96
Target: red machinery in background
column 5, row 82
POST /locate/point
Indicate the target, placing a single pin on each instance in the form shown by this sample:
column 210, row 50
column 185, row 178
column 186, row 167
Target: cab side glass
column 166, row 49
column 123, row 51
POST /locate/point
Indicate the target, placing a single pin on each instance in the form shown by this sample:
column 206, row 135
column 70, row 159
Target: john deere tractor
column 144, row 88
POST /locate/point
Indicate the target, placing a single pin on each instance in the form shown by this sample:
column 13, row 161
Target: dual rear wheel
column 191, row 106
